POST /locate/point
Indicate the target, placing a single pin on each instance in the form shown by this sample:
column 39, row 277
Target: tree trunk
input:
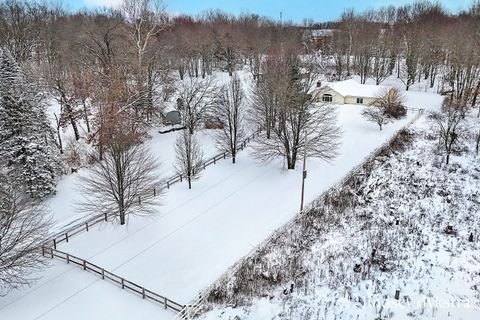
column 85, row 115
column 72, row 121
column 290, row 162
column 478, row 142
column 189, row 182
column 122, row 216
column 60, row 145
column 475, row 95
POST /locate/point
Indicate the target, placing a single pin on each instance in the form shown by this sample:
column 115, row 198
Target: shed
column 173, row 117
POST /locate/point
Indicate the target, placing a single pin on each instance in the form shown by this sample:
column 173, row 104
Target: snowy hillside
column 350, row 259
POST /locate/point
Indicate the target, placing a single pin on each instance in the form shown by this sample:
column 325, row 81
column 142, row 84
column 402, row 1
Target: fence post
column 165, row 302
column 214, row 159
column 68, row 258
column 180, row 177
column 139, row 200
column 143, row 293
column 224, row 155
column 168, row 184
column 84, row 265
column 154, row 192
column 103, row 274
column 54, row 243
column 43, row 251
column 105, row 216
column 86, row 225
column 66, row 236
column 51, row 252
column 123, row 284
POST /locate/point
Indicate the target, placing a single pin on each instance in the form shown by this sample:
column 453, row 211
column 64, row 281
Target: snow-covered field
column 63, row 204
column 197, row 234
column 65, row 291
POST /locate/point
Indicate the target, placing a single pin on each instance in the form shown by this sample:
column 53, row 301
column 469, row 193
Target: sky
column 293, row 10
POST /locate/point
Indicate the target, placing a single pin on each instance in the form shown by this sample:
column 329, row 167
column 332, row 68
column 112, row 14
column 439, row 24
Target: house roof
column 353, row 88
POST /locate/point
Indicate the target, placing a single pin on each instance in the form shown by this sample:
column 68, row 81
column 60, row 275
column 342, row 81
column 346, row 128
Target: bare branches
column 189, row 157
column 387, row 105
column 23, row 226
column 376, row 113
column 448, row 123
column 195, row 96
column 123, row 182
column 285, row 108
column 228, row 112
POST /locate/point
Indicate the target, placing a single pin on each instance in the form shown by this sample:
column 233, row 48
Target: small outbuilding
column 173, row 117
column 348, row 92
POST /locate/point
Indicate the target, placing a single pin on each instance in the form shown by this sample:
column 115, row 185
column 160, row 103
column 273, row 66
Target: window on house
column 360, row 100
column 327, row 98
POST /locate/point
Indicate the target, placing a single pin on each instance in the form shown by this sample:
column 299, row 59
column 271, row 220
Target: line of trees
column 419, row 41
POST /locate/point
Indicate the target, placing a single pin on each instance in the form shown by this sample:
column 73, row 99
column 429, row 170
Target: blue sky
column 295, row 10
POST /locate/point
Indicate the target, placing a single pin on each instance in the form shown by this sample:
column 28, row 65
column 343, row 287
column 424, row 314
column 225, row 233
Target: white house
column 348, row 92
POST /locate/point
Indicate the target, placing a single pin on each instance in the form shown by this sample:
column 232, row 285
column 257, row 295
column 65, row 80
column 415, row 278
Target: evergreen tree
column 28, row 153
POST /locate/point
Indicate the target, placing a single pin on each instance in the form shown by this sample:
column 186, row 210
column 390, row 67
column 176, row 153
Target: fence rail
column 190, row 311
column 66, row 234
column 113, row 278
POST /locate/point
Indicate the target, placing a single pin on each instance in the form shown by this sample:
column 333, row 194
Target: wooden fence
column 190, row 311
column 66, row 234
column 113, row 278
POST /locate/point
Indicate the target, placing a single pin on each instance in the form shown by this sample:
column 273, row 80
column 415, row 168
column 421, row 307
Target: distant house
column 321, row 38
column 348, row 92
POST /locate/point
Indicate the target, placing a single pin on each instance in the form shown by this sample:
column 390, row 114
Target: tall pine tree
column 28, row 151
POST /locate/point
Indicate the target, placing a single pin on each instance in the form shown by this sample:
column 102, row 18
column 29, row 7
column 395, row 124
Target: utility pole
column 304, row 171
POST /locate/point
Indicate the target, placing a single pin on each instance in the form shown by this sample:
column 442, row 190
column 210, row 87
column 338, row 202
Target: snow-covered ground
column 436, row 272
column 197, row 234
column 62, row 204
column 65, row 291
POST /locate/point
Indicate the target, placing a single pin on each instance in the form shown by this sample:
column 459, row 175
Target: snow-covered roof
column 353, row 88
column 317, row 33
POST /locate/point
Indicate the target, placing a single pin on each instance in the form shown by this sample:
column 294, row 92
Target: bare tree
column 376, row 113
column 123, row 182
column 23, row 227
column 392, row 101
column 228, row 111
column 299, row 123
column 146, row 19
column 388, row 104
column 196, row 96
column 64, row 96
column 448, row 123
column 189, row 157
